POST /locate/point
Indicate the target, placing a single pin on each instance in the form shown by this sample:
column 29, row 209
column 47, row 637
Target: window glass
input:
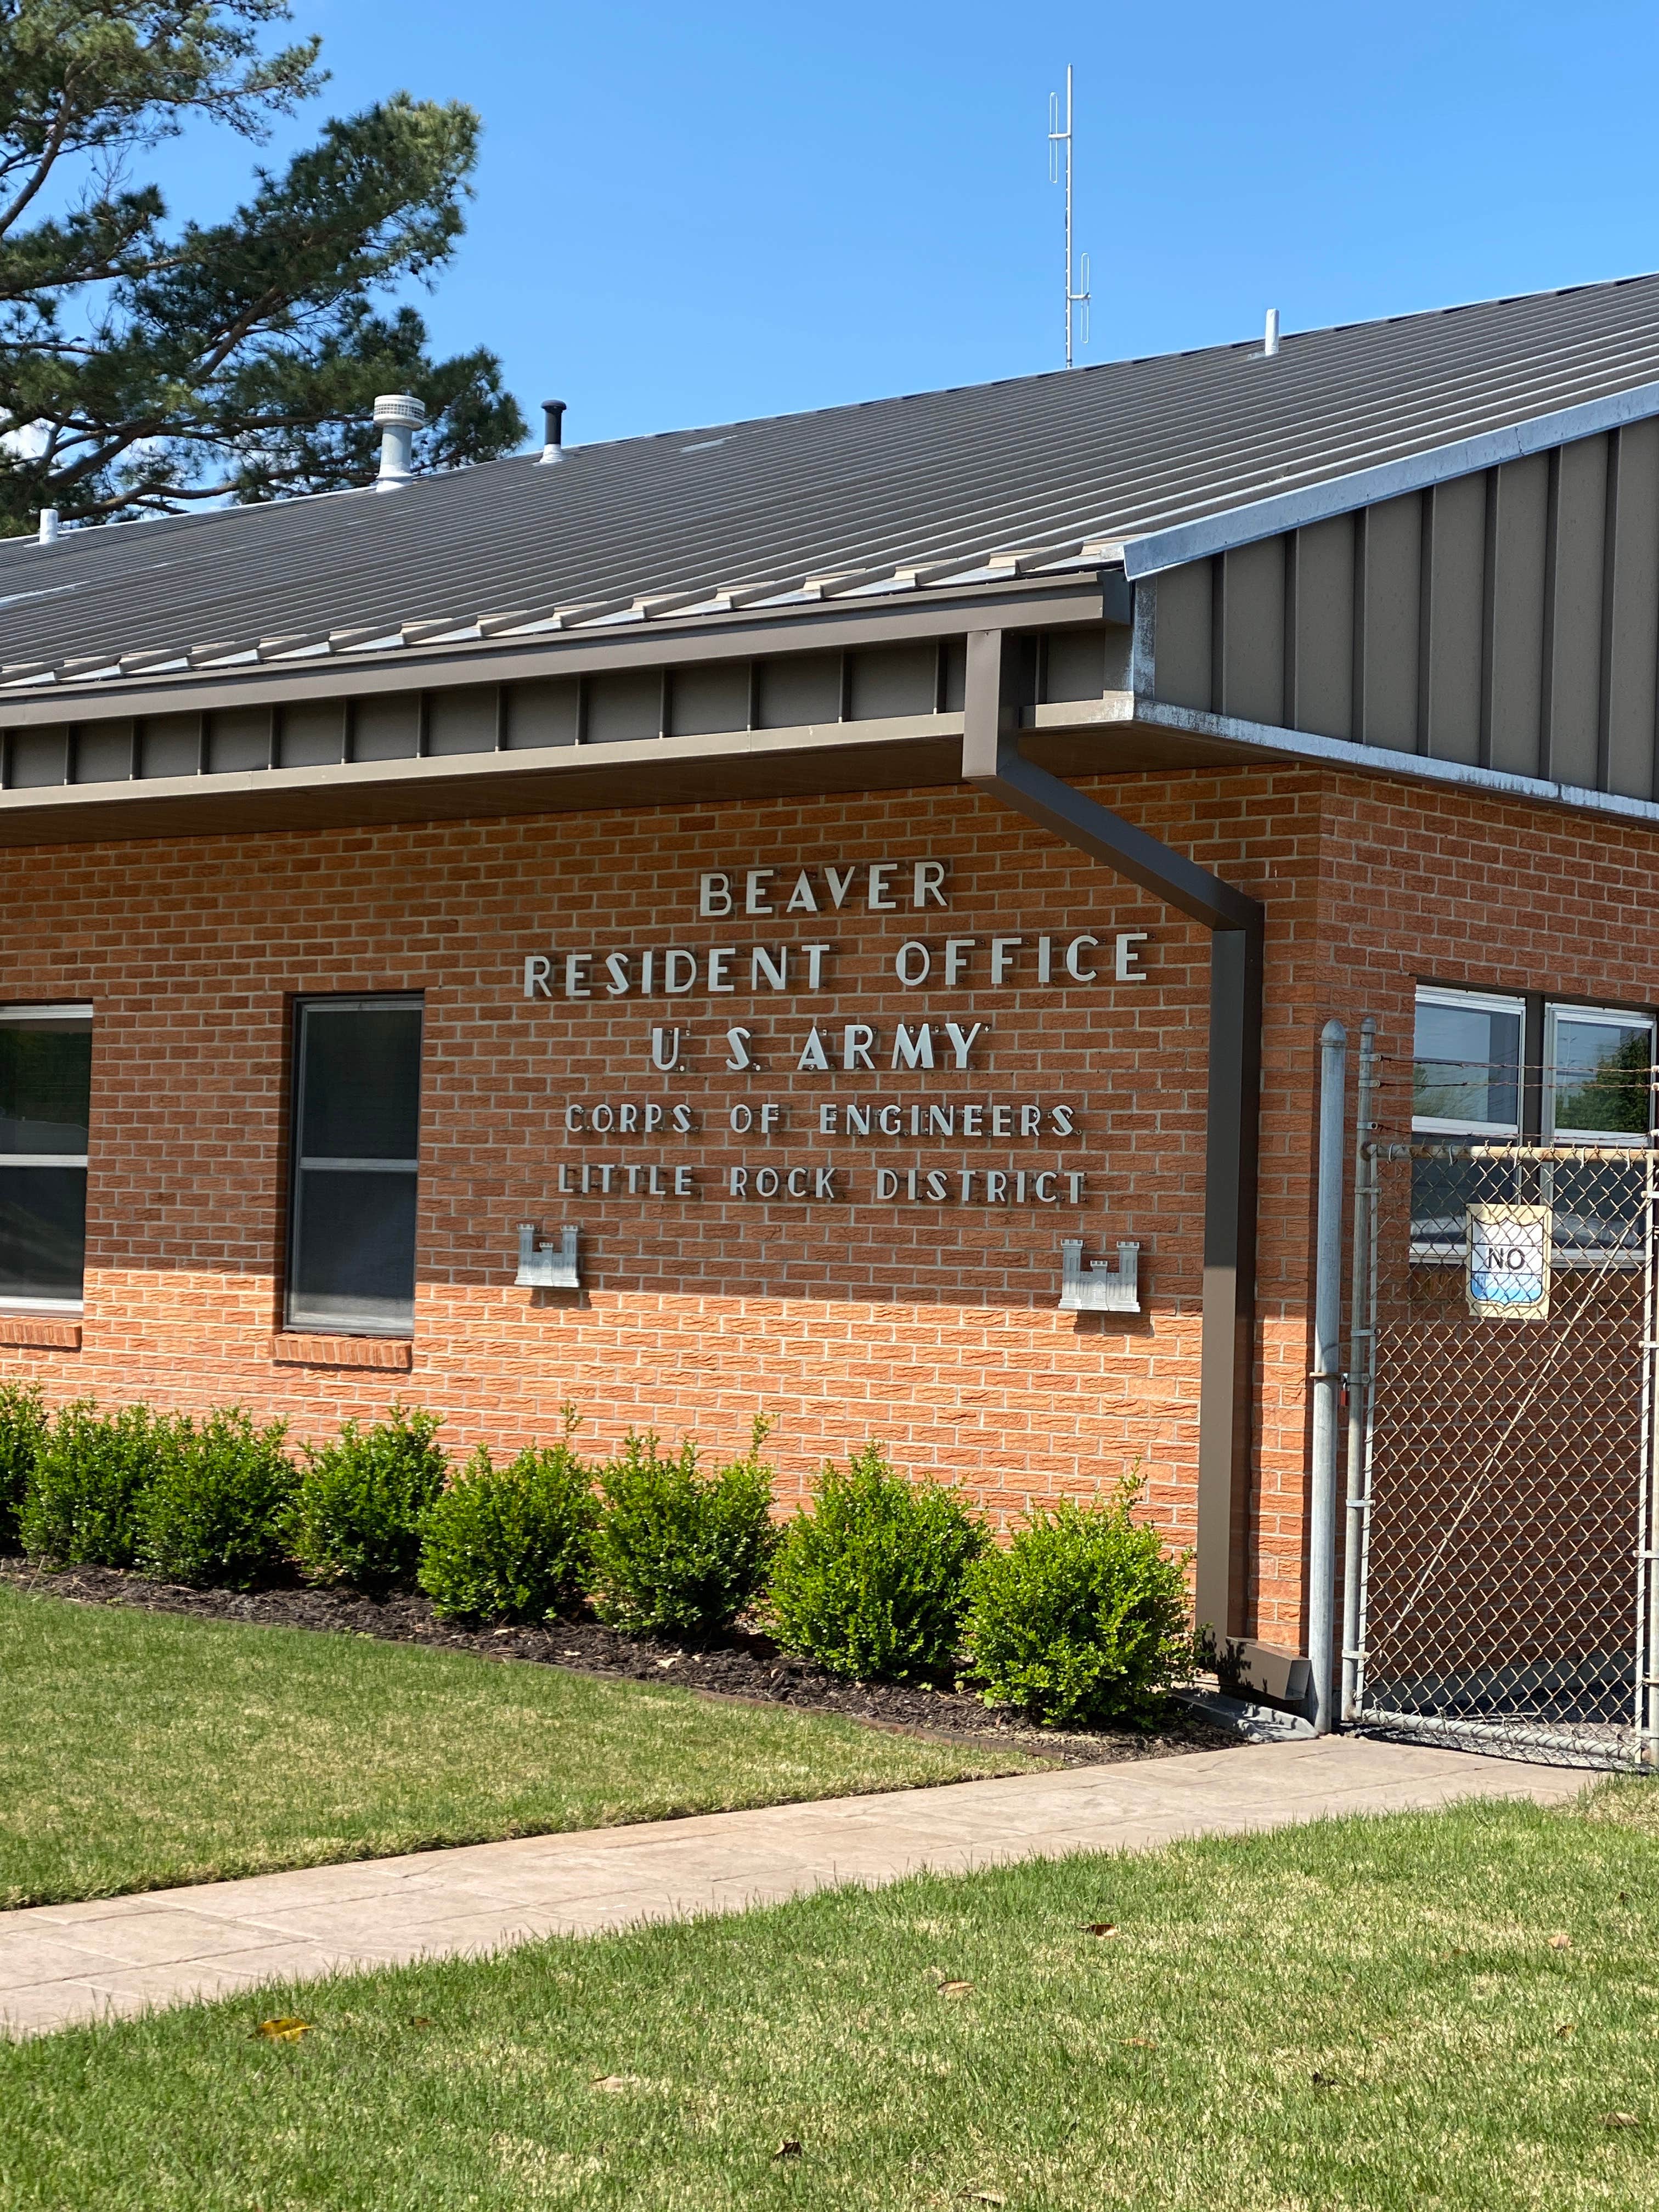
column 45, row 1081
column 46, row 1091
column 1598, row 1075
column 1596, row 1207
column 355, row 1250
column 1443, row 1190
column 357, row 1097
column 1466, row 1072
column 361, row 1089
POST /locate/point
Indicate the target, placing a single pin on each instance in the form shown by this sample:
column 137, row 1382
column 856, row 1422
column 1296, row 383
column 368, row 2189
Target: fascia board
column 453, row 787
column 1291, row 748
column 1294, row 510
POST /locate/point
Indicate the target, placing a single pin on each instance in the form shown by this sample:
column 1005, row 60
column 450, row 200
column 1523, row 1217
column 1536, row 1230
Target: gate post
column 1326, row 1375
column 1360, row 1337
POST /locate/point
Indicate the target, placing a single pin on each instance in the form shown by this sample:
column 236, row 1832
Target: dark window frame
column 299, row 1164
column 47, row 1011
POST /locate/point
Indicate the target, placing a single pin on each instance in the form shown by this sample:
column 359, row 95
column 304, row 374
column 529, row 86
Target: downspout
column 992, row 762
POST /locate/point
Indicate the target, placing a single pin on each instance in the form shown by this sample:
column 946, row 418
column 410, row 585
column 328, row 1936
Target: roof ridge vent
column 398, row 416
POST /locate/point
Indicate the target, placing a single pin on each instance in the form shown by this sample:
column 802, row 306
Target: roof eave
column 1079, row 595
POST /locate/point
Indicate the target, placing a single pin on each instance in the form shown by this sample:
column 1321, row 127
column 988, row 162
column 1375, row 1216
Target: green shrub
column 22, row 1433
column 510, row 1543
column 872, row 1582
column 1082, row 1619
column 357, row 1514
column 676, row 1550
column 215, row 1511
column 81, row 1504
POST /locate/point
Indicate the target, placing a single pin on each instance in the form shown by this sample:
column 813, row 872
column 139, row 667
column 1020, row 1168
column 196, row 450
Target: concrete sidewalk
column 63, row 1963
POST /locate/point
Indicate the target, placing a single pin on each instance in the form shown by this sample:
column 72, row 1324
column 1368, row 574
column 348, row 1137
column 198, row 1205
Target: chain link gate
column 1501, row 1495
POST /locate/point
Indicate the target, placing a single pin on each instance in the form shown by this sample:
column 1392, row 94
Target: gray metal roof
column 891, row 496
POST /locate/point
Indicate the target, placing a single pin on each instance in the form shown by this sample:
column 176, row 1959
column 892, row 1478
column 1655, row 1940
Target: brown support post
column 991, row 760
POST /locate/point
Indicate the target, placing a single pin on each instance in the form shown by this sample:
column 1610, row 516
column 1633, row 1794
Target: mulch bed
column 742, row 1666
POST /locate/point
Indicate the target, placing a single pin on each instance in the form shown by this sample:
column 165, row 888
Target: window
column 1594, row 1087
column 356, row 1125
column 1598, row 1076
column 45, row 1090
column 1466, row 1073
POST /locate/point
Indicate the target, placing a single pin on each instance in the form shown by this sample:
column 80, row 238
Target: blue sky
column 686, row 216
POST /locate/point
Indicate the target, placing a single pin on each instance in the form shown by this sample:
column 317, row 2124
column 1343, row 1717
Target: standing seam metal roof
column 939, row 481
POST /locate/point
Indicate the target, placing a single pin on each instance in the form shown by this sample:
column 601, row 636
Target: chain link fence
column 1503, row 1367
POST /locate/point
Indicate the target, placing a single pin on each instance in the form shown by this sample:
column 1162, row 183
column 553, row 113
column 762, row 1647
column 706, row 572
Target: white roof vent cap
column 398, row 416
column 48, row 524
column 1270, row 336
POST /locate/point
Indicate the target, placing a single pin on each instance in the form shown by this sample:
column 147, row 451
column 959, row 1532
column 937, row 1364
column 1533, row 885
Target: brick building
column 834, row 915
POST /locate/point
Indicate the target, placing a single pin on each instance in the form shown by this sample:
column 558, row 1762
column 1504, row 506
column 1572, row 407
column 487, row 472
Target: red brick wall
column 1416, row 885
column 933, row 1326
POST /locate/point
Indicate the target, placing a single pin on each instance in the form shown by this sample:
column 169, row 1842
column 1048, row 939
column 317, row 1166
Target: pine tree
column 146, row 367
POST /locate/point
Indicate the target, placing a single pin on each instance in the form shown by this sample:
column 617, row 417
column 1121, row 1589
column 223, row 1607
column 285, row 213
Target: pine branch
column 233, row 359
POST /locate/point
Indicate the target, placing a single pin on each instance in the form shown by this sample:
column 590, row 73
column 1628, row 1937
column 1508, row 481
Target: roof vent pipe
column 1270, row 336
column 553, row 445
column 398, row 416
column 48, row 524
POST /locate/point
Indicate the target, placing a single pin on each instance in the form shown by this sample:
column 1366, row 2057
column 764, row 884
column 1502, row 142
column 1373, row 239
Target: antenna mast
column 1057, row 138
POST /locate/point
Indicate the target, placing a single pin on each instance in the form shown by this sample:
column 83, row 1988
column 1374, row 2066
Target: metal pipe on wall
column 1359, row 1367
column 1327, row 1373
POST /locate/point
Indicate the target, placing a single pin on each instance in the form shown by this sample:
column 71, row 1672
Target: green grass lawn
column 139, row 1750
column 1372, row 2015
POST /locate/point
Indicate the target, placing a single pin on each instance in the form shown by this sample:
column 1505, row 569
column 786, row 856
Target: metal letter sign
column 1509, row 1262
